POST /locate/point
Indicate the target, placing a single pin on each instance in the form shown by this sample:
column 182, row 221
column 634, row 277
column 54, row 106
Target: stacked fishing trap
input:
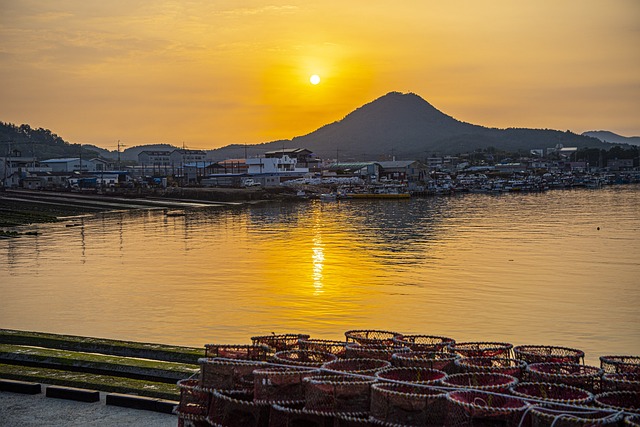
column 384, row 378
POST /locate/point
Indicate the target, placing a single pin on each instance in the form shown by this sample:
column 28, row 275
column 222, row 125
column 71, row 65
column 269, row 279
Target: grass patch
column 169, row 353
column 96, row 363
column 91, row 381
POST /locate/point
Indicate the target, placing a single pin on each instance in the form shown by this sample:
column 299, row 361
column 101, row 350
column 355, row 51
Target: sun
column 315, row 79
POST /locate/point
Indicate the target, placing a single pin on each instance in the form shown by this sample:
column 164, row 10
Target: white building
column 284, row 164
column 69, row 165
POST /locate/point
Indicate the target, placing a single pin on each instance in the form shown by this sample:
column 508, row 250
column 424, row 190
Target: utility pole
column 119, row 146
column 7, row 162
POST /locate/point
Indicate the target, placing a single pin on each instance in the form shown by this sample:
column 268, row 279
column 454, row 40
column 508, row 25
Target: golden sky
column 211, row 73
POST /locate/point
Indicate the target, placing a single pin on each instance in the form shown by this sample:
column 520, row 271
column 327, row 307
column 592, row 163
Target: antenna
column 119, row 146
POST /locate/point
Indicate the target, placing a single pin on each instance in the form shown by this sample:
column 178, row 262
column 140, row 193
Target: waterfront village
column 305, row 175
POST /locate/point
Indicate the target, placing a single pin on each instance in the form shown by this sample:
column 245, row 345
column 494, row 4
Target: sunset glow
column 217, row 73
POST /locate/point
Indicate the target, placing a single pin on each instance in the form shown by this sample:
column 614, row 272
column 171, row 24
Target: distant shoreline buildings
column 185, row 167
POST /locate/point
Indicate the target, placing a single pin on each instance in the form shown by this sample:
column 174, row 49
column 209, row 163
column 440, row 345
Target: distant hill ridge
column 397, row 124
column 406, row 126
column 614, row 138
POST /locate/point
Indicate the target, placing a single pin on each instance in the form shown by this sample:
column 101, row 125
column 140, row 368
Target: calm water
column 518, row 268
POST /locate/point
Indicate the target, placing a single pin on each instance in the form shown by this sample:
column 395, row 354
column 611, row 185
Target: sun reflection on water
column 318, row 263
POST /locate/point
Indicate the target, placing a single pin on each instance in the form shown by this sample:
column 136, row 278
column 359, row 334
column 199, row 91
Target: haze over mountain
column 406, row 126
column 614, row 138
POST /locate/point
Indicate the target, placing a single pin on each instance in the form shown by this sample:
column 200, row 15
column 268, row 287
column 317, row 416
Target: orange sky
column 237, row 71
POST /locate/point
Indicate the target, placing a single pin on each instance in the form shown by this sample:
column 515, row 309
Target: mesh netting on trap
column 370, row 336
column 327, row 346
column 621, row 381
column 552, row 392
column 424, row 342
column 628, row 401
column 412, row 375
column 547, row 353
column 571, row 416
column 227, row 374
column 231, row 408
column 258, row 352
column 496, row 365
column 480, row 381
column 194, row 401
column 309, row 358
column 357, row 366
column 615, row 364
column 426, row 359
column 294, row 415
column 481, row 349
column 632, row 421
column 410, row 405
column 581, row 376
column 373, row 351
column 280, row 342
column 479, row 408
column 338, row 394
column 278, row 384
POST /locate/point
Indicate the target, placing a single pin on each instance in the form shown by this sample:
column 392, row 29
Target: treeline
column 40, row 143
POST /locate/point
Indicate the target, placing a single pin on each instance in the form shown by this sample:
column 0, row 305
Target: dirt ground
column 37, row 410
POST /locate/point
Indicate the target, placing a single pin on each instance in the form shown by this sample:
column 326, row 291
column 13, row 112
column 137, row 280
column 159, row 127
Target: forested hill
column 41, row 143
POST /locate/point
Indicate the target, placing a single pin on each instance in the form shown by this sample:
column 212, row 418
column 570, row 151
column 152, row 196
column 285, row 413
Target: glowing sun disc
column 315, row 79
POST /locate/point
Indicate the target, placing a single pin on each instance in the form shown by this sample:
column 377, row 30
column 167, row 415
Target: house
column 369, row 171
column 69, row 165
column 620, row 164
column 16, row 163
column 183, row 156
column 304, row 157
column 258, row 165
column 231, row 166
column 409, row 171
column 102, row 164
column 155, row 161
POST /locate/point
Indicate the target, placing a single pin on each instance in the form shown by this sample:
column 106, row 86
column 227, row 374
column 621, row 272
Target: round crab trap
column 259, row 352
column 194, row 401
column 423, row 342
column 485, row 381
column 621, row 381
column 370, row 336
column 309, row 358
column 373, row 351
column 615, row 364
column 286, row 415
column 581, row 376
column 408, row 405
column 628, row 401
column 338, row 394
column 426, row 359
column 497, row 365
column 412, row 375
column 478, row 408
column 227, row 375
column 272, row 385
column 481, row 349
column 547, row 353
column 354, row 420
column 280, row 342
column 328, row 346
column 357, row 366
column 571, row 416
column 237, row 409
column 632, row 421
column 553, row 393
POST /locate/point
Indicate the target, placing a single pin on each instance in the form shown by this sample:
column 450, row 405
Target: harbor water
column 554, row 268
